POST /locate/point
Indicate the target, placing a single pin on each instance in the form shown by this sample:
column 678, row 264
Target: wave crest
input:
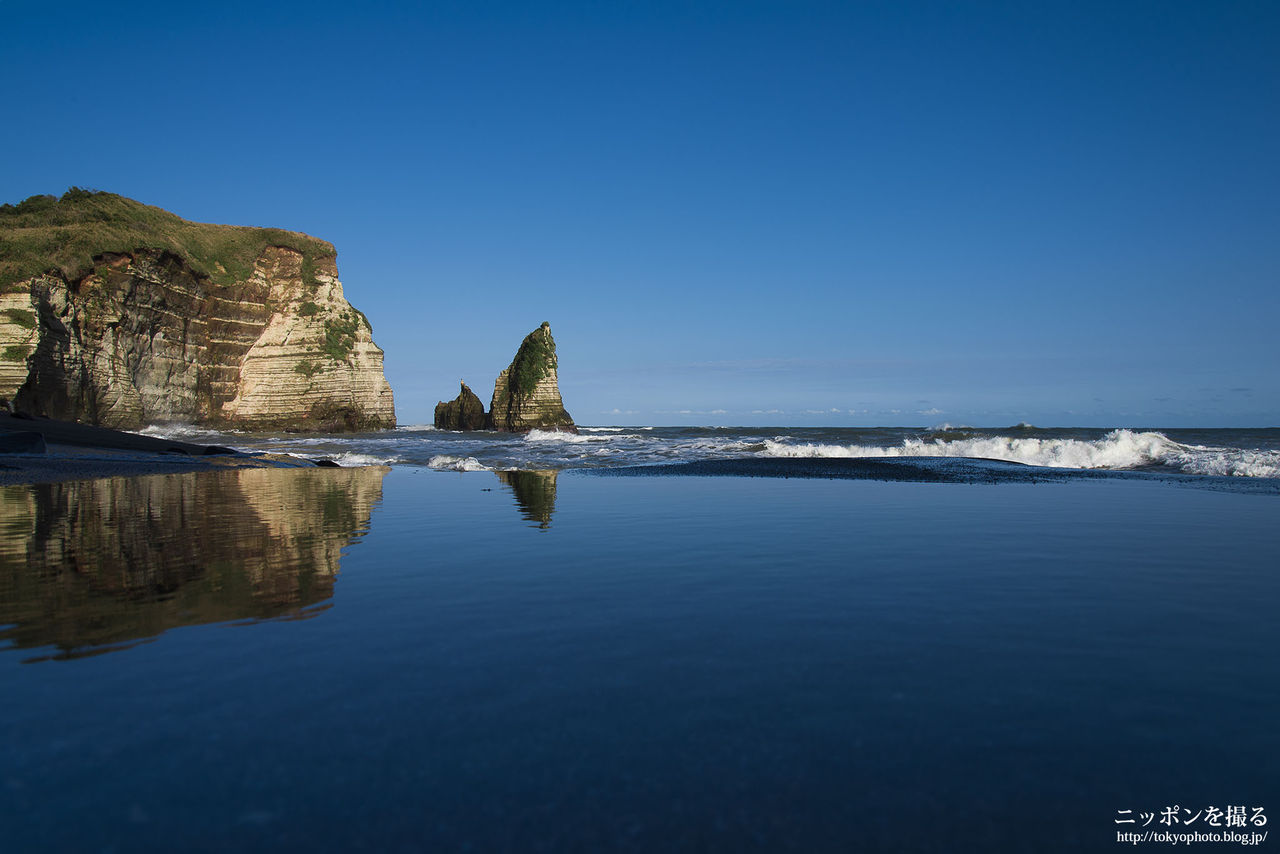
column 448, row 462
column 563, row 436
column 1119, row 449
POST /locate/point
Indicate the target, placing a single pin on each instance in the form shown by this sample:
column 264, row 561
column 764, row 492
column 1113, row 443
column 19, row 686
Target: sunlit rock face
column 87, row 566
column 314, row 362
column 143, row 339
column 120, row 314
column 526, row 395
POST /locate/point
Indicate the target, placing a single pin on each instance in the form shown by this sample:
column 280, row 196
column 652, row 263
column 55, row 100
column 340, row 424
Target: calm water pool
column 410, row 660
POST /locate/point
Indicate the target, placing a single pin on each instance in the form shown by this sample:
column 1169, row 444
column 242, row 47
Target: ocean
column 764, row 640
column 1214, row 452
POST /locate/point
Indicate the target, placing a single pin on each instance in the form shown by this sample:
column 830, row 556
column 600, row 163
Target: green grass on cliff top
column 46, row 233
column 534, row 359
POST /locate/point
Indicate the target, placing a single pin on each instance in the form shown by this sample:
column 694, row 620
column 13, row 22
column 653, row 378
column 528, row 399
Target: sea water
column 414, row 660
column 1215, row 452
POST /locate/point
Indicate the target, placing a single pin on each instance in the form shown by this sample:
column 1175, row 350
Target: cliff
column 465, row 412
column 120, row 314
column 526, row 396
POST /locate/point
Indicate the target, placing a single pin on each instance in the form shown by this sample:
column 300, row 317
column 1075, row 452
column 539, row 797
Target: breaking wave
column 447, row 462
column 1119, row 449
column 563, row 436
column 1210, row 452
column 354, row 459
column 178, row 432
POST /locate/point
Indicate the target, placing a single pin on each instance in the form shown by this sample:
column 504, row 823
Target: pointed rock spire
column 526, row 395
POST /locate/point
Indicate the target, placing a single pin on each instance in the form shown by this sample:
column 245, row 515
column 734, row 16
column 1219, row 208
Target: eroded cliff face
column 145, row 338
column 526, row 396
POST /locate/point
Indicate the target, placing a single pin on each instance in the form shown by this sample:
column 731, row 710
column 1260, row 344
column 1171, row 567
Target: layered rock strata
column 526, row 396
column 266, row 341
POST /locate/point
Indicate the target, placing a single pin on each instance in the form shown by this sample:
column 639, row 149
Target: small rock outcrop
column 119, row 314
column 464, row 412
column 526, row 395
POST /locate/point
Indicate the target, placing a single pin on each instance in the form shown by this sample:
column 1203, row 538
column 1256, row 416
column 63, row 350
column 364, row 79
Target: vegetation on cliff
column 44, row 233
column 526, row 396
column 340, row 335
column 122, row 314
column 534, row 360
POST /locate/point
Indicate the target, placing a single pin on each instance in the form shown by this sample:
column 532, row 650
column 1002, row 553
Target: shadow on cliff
column 535, row 494
column 95, row 566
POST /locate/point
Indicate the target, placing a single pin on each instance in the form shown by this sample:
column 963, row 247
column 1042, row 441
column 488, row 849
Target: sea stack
column 526, row 395
column 464, row 412
column 119, row 314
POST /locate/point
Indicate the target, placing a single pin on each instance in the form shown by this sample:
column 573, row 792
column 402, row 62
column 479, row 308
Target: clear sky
column 782, row 213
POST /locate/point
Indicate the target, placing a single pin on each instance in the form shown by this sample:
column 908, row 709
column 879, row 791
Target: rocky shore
column 45, row 450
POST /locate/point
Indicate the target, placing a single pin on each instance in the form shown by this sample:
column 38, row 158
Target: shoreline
column 45, row 450
column 37, row 450
column 954, row 470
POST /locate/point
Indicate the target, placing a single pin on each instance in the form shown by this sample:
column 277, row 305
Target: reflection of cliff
column 535, row 492
column 92, row 564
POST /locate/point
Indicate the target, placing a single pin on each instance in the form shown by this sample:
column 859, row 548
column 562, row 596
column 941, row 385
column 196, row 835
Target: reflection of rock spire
column 88, row 565
column 535, row 492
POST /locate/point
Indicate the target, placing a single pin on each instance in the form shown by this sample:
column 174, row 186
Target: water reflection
column 92, row 566
column 535, row 493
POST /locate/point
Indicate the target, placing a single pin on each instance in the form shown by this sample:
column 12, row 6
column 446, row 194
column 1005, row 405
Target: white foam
column 1227, row 462
column 447, row 462
column 415, row 428
column 176, row 431
column 562, row 436
column 350, row 459
column 1119, row 449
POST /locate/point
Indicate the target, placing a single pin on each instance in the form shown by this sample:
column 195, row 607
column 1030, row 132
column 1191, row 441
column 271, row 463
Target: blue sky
column 731, row 213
